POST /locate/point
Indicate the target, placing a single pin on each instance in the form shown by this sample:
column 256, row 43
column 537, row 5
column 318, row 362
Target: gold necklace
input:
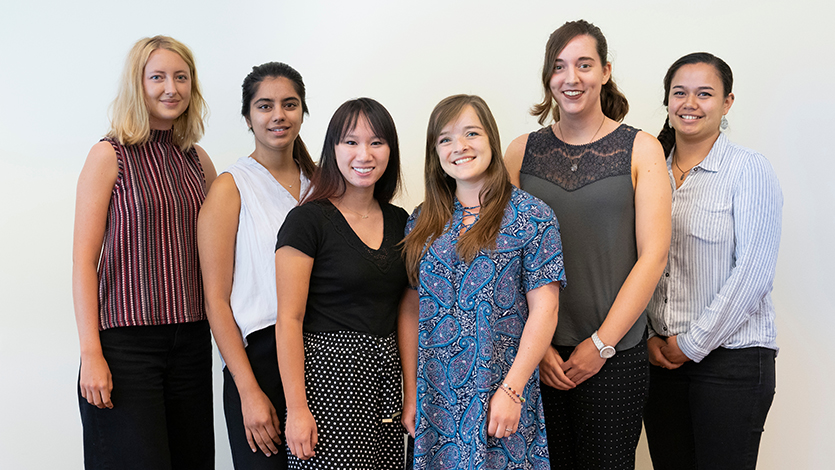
column 365, row 216
column 565, row 146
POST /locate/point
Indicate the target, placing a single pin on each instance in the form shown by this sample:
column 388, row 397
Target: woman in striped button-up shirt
column 712, row 335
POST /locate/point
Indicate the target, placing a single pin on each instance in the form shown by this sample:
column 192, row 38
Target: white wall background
column 59, row 66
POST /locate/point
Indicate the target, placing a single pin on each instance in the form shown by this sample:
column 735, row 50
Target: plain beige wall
column 60, row 63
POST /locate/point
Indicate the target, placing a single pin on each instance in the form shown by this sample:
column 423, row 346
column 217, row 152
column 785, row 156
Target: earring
column 724, row 123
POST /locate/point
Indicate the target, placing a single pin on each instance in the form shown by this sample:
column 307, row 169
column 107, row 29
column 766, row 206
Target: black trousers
column 710, row 415
column 262, row 357
column 162, row 400
column 597, row 425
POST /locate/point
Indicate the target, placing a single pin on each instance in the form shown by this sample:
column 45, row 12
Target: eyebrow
column 578, row 59
column 466, row 129
column 707, row 87
column 163, row 71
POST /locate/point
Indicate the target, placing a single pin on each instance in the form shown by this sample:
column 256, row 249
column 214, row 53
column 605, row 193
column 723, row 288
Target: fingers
column 308, row 445
column 562, row 380
column 408, row 419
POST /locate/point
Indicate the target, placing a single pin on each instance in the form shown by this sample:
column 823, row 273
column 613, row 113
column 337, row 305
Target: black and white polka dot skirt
column 354, row 394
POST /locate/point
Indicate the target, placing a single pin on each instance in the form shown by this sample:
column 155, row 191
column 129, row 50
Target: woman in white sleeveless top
column 236, row 234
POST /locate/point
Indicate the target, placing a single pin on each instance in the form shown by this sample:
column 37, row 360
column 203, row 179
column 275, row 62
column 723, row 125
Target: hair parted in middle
column 250, row 88
column 667, row 136
column 328, row 181
column 614, row 103
column 436, row 209
column 130, row 119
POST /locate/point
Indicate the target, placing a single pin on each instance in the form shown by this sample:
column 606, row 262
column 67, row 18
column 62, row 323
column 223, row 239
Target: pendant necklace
column 575, row 160
column 683, row 173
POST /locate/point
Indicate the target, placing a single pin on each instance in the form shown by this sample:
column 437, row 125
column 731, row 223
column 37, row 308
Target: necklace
column 289, row 186
column 362, row 216
column 683, row 173
column 585, row 149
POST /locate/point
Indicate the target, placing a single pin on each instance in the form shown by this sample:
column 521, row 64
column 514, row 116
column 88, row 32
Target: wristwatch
column 605, row 351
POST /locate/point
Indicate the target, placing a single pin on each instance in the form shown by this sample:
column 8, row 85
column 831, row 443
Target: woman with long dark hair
column 607, row 185
column 237, row 227
column 712, row 335
column 145, row 384
column 487, row 263
column 340, row 279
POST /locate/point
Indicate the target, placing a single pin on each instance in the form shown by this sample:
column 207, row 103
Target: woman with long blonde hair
column 145, row 381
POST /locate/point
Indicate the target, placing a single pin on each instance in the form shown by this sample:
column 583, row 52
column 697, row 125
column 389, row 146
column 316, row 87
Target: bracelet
column 512, row 396
column 508, row 389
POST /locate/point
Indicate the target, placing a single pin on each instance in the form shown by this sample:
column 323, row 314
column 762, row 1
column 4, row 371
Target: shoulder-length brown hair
column 612, row 101
column 436, row 210
column 129, row 121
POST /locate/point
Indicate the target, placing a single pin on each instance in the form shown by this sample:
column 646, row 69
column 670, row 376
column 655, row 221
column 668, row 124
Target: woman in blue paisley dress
column 487, row 261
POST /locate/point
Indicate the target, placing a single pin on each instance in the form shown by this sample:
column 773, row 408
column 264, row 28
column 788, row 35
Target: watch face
column 607, row 352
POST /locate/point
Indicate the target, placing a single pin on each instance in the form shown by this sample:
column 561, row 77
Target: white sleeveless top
column 264, row 205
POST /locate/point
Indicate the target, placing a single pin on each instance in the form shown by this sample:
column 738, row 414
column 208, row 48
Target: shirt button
column 665, row 301
column 666, row 274
column 665, row 328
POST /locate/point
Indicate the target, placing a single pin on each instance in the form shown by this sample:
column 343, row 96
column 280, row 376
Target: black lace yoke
column 573, row 166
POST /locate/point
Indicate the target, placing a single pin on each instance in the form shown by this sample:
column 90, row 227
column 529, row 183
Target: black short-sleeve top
column 352, row 287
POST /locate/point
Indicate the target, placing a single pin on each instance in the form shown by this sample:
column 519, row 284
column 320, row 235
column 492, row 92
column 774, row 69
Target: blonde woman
column 145, row 381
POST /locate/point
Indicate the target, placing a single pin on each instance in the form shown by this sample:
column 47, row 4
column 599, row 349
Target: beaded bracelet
column 507, row 388
column 512, row 396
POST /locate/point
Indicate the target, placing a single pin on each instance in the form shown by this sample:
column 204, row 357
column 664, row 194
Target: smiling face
column 578, row 76
column 697, row 103
column 362, row 156
column 275, row 114
column 464, row 149
column 166, row 81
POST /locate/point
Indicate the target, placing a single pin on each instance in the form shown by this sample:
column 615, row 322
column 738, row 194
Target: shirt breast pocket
column 712, row 222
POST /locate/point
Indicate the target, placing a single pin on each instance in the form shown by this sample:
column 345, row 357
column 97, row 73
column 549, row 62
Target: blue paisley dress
column 471, row 321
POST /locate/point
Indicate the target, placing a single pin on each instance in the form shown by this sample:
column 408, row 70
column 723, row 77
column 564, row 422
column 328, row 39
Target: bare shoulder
column 224, row 187
column 647, row 151
column 209, row 171
column 223, row 196
column 516, row 149
column 513, row 157
column 102, row 152
column 101, row 165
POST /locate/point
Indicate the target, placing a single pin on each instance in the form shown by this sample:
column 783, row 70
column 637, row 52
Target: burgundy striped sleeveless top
column 149, row 272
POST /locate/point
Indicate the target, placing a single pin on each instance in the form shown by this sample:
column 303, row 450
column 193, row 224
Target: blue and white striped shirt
column 716, row 289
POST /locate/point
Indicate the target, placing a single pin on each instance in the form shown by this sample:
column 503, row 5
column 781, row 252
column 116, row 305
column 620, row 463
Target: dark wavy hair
column 612, row 101
column 250, row 88
column 328, row 181
column 667, row 136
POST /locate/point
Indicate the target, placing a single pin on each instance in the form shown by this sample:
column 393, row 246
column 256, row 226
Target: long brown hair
column 612, row 101
column 436, row 210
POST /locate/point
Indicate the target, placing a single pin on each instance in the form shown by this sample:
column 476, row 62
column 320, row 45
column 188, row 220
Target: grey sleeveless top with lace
column 589, row 187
